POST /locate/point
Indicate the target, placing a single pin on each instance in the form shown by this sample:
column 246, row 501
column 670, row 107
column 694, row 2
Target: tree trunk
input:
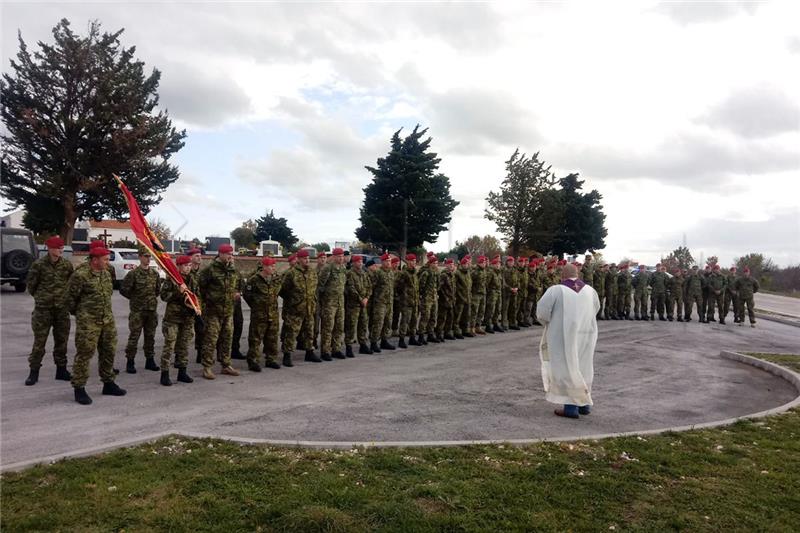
column 70, row 216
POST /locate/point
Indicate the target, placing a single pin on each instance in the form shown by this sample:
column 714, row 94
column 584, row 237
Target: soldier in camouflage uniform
column 693, row 294
column 658, row 285
column 47, row 282
column 219, row 287
column 479, row 279
column 676, row 292
column 141, row 287
column 429, row 300
column 599, row 285
column 178, row 323
column 322, row 260
column 624, row 293
column 510, row 290
column 447, row 301
column 640, row 284
column 522, row 293
column 587, row 270
column 382, row 295
column 299, row 290
column 292, row 260
column 356, row 303
column 716, row 294
column 611, row 293
column 533, row 291
column 705, row 274
column 494, row 295
column 461, row 312
column 330, row 287
column 195, row 254
column 88, row 297
column 261, row 294
column 745, row 286
column 730, row 295
column 406, row 292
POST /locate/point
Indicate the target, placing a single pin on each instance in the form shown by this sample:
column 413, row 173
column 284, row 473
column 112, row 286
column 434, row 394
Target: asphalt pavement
column 649, row 375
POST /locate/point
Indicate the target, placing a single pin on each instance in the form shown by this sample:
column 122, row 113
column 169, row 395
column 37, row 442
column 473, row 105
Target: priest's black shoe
column 183, row 377
column 165, row 378
column 112, row 389
column 150, row 364
column 33, row 377
column 63, row 374
column 236, row 354
column 81, row 397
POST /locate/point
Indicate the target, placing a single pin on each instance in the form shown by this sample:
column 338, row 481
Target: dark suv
column 18, row 252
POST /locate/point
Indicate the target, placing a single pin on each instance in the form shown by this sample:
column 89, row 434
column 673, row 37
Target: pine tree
column 582, row 223
column 270, row 227
column 77, row 111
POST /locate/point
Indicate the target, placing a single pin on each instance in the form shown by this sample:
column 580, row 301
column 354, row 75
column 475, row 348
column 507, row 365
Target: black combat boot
column 287, row 360
column 421, row 340
column 386, row 345
column 431, row 338
column 273, row 365
column 440, row 338
column 199, row 358
column 375, row 347
column 130, row 367
column 165, row 378
column 489, row 329
column 81, row 397
column 363, row 349
column 150, row 364
column 645, row 318
column 311, row 357
column 183, row 377
column 348, row 352
column 636, row 316
column 459, row 336
column 498, row 329
column 338, row 354
column 33, row 377
column 470, row 334
column 324, row 356
column 412, row 341
column 112, row 389
column 253, row 366
column 402, row 343
column 687, row 319
column 669, row 318
column 628, row 315
column 722, row 321
column 680, row 319
column 62, row 374
column 515, row 328
column 661, row 318
column 449, row 337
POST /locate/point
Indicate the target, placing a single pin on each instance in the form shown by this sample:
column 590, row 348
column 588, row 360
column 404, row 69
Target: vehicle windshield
column 16, row 242
column 130, row 255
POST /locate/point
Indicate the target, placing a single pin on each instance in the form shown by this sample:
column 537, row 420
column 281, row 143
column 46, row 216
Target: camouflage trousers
column 428, row 308
column 509, row 310
column 91, row 337
column 489, row 314
column 445, row 320
column 640, row 304
column 715, row 300
column 521, row 298
column 730, row 304
column 238, row 326
column 740, row 305
column 461, row 313
column 217, row 338
column 387, row 322
column 498, row 310
column 691, row 299
column 675, row 305
column 477, row 311
column 177, row 339
column 298, row 331
column 42, row 319
column 409, row 319
column 356, row 324
column 529, row 314
column 332, row 323
column 610, row 304
column 262, row 337
column 704, row 306
column 381, row 314
column 624, row 303
column 317, row 322
column 396, row 309
column 139, row 321
column 658, row 303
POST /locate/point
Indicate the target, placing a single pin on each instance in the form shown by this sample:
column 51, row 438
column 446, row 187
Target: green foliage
column 760, row 266
column 476, row 245
column 77, row 111
column 124, row 243
column 321, row 247
column 160, row 228
column 406, row 194
column 270, row 227
column 43, row 215
column 679, row 257
column 244, row 237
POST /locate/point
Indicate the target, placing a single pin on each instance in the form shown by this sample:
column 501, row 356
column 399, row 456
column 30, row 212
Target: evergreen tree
column 76, row 112
column 582, row 221
column 408, row 202
column 269, row 227
column 679, row 257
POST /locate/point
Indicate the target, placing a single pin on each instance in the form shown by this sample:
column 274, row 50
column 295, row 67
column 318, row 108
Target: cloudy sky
column 685, row 116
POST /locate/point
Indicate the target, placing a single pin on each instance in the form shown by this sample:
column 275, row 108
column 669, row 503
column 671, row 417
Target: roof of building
column 110, row 224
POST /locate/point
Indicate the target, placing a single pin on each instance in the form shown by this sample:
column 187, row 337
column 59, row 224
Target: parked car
column 126, row 259
column 18, row 250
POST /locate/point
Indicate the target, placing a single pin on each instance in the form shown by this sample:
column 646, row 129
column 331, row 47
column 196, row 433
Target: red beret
column 337, row 251
column 411, row 257
column 562, row 262
column 578, row 265
column 183, row 260
column 733, row 269
column 385, row 257
column 225, row 249
column 746, row 270
column 292, row 257
column 430, row 254
column 448, row 261
column 302, row 253
column 676, row 269
column 267, row 261
column 432, row 258
column 495, row 261
column 716, row 267
column 482, row 258
column 194, row 251
column 357, row 259
column 55, row 242
column 98, row 251
column 624, row 266
column 97, row 244
column 465, row 260
column 509, row 258
column 395, row 260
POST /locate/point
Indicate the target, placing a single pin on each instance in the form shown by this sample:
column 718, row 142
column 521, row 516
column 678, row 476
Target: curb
column 778, row 319
column 784, row 373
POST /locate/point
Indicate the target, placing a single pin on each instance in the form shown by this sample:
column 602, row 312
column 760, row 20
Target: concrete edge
column 779, row 319
column 784, row 373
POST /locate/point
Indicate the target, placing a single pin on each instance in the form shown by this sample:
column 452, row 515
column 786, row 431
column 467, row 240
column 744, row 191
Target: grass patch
column 791, row 361
column 742, row 477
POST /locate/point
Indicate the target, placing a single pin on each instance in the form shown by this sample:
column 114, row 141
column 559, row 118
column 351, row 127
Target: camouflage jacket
column 447, row 289
column 494, row 282
column 676, row 286
column 479, row 278
column 640, row 283
column 141, row 286
column 587, row 273
column 47, row 281
column 382, row 286
column 693, row 284
column 510, row 279
column 261, row 294
column 89, row 296
column 611, row 283
column 177, row 311
column 716, row 283
column 298, row 290
column 533, row 282
column 658, row 281
column 406, row 287
column 331, row 281
column 463, row 284
column 429, row 282
column 624, row 282
column 522, row 281
column 356, row 287
column 218, row 284
column 746, row 287
column 599, row 281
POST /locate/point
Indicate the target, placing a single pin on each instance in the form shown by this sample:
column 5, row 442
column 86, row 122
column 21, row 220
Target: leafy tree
column 582, row 221
column 160, row 228
column 76, row 112
column 712, row 260
column 124, row 243
column 460, row 250
column 512, row 208
column 322, row 247
column 759, row 264
column 408, row 203
column 270, row 227
column 244, row 237
column 249, row 224
column 679, row 257
column 487, row 245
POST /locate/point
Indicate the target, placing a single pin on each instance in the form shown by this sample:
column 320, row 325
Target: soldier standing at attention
column 382, row 294
column 141, row 287
column 330, row 287
column 356, row 303
column 706, row 274
column 587, row 270
column 197, row 260
column 611, row 293
column 658, row 284
column 693, row 292
column 494, row 288
column 510, row 290
column 461, row 312
column 298, row 290
column 88, row 297
column 178, row 323
column 624, row 293
column 640, row 283
column 219, row 287
column 730, row 295
column 429, row 301
column 522, row 293
column 479, row 278
column 407, row 289
column 322, row 260
column 292, row 260
column 599, row 285
column 533, row 291
column 745, row 286
column 716, row 294
column 261, row 294
column 676, row 291
column 47, row 283
column 447, row 301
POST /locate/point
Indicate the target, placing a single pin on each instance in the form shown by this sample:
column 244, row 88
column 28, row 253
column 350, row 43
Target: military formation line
column 333, row 306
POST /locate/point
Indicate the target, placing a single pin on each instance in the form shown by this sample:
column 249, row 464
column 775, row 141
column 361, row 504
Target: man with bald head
column 568, row 311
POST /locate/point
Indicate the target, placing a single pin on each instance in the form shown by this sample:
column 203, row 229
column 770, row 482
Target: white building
column 109, row 231
column 12, row 219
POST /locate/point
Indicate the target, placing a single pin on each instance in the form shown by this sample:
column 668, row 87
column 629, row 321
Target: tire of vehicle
column 17, row 263
column 20, row 287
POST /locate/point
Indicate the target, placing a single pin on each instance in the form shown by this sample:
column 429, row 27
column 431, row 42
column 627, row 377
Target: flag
column 149, row 241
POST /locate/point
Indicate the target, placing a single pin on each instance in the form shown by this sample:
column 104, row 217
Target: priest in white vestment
column 568, row 313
